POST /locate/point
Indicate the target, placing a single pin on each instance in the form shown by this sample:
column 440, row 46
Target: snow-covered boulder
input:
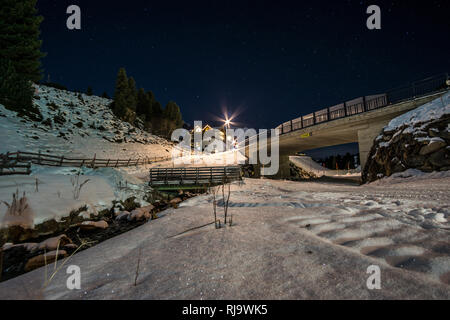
column 418, row 139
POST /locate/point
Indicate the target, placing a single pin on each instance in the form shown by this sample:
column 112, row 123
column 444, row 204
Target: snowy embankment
column 418, row 139
column 77, row 126
column 309, row 165
column 288, row 240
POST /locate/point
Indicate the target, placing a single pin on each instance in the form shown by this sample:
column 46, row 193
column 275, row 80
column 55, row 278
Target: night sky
column 269, row 61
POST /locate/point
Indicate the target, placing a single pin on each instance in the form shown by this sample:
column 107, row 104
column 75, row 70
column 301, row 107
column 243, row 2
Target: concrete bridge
column 359, row 120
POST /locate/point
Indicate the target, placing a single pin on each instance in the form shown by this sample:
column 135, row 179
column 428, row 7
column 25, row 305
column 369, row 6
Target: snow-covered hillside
column 77, row 125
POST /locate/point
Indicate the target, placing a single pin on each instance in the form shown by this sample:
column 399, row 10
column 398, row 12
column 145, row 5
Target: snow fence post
column 93, row 161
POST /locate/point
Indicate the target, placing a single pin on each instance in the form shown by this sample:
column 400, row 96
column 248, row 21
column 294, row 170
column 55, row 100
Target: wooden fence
column 21, row 158
column 10, row 167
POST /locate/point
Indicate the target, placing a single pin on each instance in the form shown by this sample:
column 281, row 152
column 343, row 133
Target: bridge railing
column 367, row 103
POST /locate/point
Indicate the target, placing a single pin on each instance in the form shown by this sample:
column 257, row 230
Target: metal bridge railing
column 410, row 91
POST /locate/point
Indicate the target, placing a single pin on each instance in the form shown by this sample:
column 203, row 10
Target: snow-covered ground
column 55, row 196
column 289, row 240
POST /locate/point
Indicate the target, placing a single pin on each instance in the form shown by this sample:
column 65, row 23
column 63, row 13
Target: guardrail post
column 328, row 114
column 364, row 104
column 345, row 109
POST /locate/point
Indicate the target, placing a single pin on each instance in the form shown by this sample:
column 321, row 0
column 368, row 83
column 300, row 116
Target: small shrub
column 59, row 119
column 47, row 122
column 52, row 106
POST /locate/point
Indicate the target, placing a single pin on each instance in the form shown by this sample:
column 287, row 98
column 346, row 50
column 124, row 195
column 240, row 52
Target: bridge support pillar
column 284, row 170
column 366, row 137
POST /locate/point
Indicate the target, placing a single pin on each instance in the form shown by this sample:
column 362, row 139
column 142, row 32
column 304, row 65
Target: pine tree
column 149, row 111
column 173, row 113
column 132, row 94
column 121, row 94
column 157, row 118
column 16, row 93
column 142, row 102
column 171, row 118
column 19, row 37
column 105, row 95
column 157, row 109
column 89, row 91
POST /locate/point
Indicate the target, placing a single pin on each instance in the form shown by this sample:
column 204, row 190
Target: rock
column 175, row 201
column 41, row 260
column 29, row 246
column 122, row 215
column 445, row 134
column 7, row 246
column 439, row 159
column 414, row 160
column 92, row 225
column 433, row 132
column 434, row 145
column 298, row 173
column 141, row 213
column 52, row 243
column 423, row 146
